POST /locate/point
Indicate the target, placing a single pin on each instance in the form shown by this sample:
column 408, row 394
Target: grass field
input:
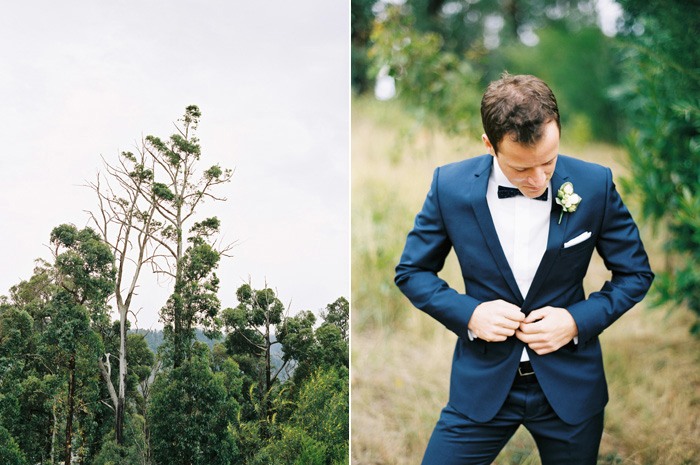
column 401, row 358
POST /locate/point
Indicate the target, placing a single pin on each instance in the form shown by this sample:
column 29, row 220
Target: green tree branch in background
column 438, row 86
column 662, row 101
column 442, row 55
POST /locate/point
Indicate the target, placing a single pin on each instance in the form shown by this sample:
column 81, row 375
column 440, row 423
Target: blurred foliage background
column 637, row 84
column 443, row 53
column 629, row 95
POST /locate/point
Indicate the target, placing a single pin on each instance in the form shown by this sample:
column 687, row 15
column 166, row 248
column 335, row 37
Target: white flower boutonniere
column 568, row 199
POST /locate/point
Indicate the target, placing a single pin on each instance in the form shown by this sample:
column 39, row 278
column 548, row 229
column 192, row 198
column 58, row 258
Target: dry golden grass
column 401, row 358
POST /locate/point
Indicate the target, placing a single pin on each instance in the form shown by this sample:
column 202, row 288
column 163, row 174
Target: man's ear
column 487, row 143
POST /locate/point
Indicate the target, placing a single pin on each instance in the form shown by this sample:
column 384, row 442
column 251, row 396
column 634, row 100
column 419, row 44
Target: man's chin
column 531, row 193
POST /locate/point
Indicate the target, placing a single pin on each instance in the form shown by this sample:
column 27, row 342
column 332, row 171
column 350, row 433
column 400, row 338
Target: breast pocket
column 572, row 262
column 586, row 245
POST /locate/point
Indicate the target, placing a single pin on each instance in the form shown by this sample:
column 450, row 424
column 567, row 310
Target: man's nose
column 538, row 178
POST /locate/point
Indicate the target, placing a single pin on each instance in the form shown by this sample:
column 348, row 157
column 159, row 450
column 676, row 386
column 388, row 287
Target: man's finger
column 534, row 315
column 493, row 337
column 527, row 338
column 530, row 328
column 542, row 348
column 505, row 332
column 513, row 313
column 508, row 324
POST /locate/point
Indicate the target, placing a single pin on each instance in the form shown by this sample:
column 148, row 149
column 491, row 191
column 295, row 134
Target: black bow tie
column 509, row 192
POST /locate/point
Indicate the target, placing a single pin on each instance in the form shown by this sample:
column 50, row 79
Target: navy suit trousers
column 458, row 440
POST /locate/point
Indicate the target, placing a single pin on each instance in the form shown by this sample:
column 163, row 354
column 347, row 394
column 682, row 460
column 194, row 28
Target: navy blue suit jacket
column 456, row 215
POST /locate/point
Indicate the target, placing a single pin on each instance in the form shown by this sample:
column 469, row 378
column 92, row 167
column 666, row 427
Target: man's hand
column 547, row 329
column 495, row 321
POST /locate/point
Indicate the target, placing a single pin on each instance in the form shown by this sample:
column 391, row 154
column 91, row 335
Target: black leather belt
column 525, row 374
column 525, row 369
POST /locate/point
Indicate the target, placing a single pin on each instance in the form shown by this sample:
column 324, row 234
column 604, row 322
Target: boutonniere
column 568, row 199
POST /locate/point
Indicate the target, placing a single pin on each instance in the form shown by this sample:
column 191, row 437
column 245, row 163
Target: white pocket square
column 577, row 240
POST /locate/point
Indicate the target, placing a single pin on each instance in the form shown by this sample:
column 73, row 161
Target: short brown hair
column 518, row 106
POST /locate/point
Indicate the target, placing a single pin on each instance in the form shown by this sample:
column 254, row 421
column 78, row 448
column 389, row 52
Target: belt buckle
column 529, row 373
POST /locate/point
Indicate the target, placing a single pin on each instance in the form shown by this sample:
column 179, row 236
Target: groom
column 523, row 222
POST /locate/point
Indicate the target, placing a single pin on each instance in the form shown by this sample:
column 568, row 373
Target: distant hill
column 154, row 338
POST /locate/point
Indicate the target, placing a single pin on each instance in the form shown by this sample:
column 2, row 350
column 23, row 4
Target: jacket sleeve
column 427, row 247
column 622, row 251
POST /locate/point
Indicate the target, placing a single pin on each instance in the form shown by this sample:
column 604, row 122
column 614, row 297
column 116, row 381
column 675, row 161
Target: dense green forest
column 250, row 384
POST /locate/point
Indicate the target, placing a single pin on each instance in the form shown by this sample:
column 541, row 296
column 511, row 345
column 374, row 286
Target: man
column 523, row 222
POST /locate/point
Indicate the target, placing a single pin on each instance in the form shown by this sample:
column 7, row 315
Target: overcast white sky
column 83, row 79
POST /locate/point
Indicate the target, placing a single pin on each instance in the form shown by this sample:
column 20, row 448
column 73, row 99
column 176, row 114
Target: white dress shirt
column 522, row 225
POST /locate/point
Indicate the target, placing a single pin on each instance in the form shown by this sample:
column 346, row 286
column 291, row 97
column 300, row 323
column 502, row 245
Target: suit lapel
column 555, row 239
column 485, row 221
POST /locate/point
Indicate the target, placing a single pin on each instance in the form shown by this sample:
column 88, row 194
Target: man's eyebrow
column 519, row 167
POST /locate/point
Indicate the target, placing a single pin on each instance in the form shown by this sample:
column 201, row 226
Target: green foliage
column 133, row 452
column 34, row 295
column 338, row 314
column 176, row 191
column 295, row 447
column 587, row 111
column 257, row 312
column 192, row 115
column 205, row 228
column 334, row 347
column 443, row 54
column 70, row 325
column 439, row 86
column 162, row 192
column 55, row 327
column 16, row 327
column 318, row 431
column 10, row 453
column 214, row 172
column 312, row 349
column 298, row 336
column 361, row 18
column 86, row 265
column 662, row 100
column 36, row 402
column 190, row 415
column 322, row 411
column 72, row 348
column 195, row 301
column 192, row 411
column 252, row 326
column 139, row 172
column 477, row 27
column 16, row 336
column 184, row 145
column 84, row 268
column 269, row 432
column 139, row 357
